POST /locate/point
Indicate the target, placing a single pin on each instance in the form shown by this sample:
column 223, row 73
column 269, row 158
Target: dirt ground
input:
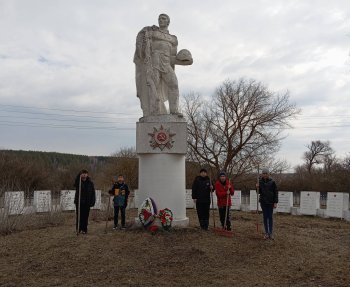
column 307, row 251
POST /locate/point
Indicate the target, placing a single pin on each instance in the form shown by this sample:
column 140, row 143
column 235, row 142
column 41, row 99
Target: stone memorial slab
column 337, row 202
column 253, row 200
column 67, row 200
column 215, row 201
column 236, row 200
column 42, row 200
column 285, row 201
column 98, row 200
column 189, row 200
column 14, row 202
column 309, row 202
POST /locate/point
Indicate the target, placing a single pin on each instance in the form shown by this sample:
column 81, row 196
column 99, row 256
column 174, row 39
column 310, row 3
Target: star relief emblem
column 161, row 138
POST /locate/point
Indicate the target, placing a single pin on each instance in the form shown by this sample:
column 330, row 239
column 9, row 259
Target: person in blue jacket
column 120, row 191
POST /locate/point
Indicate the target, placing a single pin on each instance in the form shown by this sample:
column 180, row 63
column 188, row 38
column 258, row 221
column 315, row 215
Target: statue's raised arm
column 155, row 59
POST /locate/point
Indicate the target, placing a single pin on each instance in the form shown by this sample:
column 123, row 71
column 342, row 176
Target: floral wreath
column 148, row 214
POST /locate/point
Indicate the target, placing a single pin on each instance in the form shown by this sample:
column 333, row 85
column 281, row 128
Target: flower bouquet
column 166, row 217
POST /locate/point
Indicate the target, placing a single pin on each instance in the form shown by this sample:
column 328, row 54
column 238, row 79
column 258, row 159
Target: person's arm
column 127, row 192
column 93, row 195
column 111, row 191
column 194, row 190
column 76, row 185
column 173, row 52
column 76, row 197
column 275, row 193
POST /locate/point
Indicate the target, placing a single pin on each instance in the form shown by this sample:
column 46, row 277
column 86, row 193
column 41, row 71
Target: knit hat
column 203, row 170
column 222, row 173
column 265, row 170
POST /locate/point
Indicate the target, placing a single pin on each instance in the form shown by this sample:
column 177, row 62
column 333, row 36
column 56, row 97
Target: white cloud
column 78, row 55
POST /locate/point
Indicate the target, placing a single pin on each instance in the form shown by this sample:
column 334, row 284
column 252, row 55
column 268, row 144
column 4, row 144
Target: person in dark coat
column 120, row 191
column 268, row 198
column 201, row 189
column 224, row 190
column 87, row 199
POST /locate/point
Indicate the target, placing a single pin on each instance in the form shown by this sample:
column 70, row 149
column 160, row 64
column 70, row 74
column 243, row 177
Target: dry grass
column 307, row 252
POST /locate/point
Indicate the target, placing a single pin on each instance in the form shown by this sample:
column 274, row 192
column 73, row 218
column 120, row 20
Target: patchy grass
column 307, row 252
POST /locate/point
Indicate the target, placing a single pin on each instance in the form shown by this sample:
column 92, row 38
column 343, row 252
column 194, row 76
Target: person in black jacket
column 201, row 189
column 120, row 191
column 268, row 197
column 87, row 199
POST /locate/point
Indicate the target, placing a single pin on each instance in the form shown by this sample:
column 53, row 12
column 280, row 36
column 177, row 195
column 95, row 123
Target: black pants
column 203, row 214
column 222, row 212
column 116, row 213
column 84, row 217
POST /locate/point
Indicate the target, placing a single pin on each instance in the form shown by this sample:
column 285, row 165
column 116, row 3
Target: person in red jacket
column 224, row 190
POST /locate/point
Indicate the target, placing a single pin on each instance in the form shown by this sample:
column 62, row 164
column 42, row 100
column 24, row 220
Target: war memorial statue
column 155, row 59
column 161, row 136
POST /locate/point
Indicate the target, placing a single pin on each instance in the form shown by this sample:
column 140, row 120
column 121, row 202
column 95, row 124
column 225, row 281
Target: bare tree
column 123, row 162
column 239, row 127
column 318, row 152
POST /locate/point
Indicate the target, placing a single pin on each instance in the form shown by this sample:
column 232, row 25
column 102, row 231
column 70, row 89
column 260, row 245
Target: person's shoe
column 271, row 237
column 228, row 228
column 266, row 236
column 115, row 227
column 123, row 227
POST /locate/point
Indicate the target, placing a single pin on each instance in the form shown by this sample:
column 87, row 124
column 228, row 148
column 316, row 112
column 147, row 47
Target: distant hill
column 58, row 160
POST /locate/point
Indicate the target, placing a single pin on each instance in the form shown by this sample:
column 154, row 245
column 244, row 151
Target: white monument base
column 161, row 145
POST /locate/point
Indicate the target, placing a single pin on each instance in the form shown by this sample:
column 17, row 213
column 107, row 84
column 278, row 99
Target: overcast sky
column 67, row 75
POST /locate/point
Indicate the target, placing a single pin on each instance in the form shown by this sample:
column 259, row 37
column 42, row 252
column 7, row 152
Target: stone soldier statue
column 155, row 59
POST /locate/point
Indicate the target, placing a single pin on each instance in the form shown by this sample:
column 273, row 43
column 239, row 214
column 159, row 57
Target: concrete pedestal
column 161, row 145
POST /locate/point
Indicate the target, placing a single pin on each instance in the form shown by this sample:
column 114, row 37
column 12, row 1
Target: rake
column 217, row 230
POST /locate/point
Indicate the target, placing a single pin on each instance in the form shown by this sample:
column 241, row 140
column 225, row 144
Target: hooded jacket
column 201, row 189
column 88, row 195
column 221, row 192
column 268, row 191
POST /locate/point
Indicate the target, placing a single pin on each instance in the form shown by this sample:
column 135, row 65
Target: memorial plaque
column 236, row 200
column 285, row 201
column 215, row 201
column 98, row 200
column 42, row 200
column 309, row 202
column 337, row 202
column 67, row 200
column 14, row 202
column 253, row 200
column 189, row 200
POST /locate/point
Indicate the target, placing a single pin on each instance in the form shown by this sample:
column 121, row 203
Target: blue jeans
column 267, row 210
